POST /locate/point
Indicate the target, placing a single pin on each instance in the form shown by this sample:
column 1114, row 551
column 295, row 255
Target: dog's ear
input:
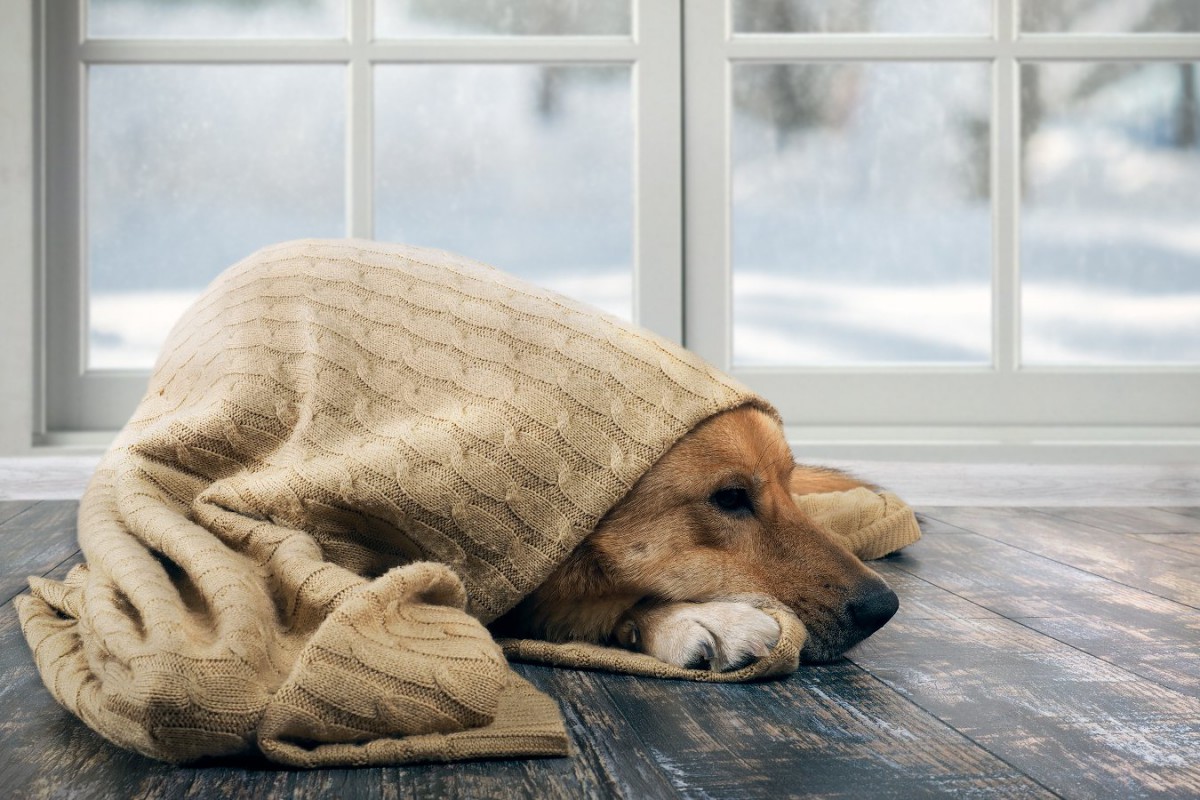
column 816, row 480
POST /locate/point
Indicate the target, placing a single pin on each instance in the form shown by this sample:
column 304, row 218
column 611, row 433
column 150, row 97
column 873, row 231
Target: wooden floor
column 1037, row 652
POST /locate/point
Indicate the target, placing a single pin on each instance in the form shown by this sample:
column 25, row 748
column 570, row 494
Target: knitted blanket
column 350, row 458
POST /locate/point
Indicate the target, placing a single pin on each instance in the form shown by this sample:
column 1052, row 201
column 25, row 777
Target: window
column 936, row 222
column 902, row 221
column 541, row 136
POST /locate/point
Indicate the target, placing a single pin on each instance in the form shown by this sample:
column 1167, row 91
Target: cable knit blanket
column 350, row 458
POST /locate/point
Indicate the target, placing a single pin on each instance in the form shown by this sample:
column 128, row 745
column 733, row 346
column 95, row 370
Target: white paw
column 718, row 635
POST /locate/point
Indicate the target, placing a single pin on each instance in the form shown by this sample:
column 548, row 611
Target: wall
column 17, row 226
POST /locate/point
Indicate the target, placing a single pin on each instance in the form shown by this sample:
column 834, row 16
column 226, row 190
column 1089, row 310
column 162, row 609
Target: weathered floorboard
column 1075, row 723
column 1184, row 542
column 1187, row 511
column 34, row 542
column 832, row 731
column 1157, row 570
column 11, row 508
column 1146, row 634
column 1128, row 520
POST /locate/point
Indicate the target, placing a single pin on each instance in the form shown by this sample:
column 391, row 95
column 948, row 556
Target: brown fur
column 668, row 546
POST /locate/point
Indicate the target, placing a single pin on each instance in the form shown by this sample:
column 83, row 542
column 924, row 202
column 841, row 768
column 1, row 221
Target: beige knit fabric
column 352, row 456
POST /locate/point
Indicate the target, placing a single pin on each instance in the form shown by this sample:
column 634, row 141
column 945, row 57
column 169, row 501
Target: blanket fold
column 400, row 673
column 350, row 458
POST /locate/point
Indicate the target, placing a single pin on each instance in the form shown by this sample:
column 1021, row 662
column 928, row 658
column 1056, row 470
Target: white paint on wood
column 63, row 477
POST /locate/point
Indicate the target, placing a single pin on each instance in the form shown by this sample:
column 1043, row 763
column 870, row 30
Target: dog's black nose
column 872, row 610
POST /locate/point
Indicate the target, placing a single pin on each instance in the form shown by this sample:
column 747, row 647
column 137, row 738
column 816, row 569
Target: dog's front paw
column 718, row 635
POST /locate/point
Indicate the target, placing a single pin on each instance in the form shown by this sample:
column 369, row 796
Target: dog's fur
column 682, row 565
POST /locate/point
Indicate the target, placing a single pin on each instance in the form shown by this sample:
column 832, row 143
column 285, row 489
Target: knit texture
column 350, row 458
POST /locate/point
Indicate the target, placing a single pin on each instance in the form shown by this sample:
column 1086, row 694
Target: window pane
column 190, row 168
column 198, row 19
column 862, row 16
column 1110, row 16
column 1110, row 224
column 861, row 227
column 529, row 168
column 402, row 18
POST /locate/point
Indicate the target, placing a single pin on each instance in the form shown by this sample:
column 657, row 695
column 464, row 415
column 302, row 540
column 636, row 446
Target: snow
column 860, row 242
column 127, row 328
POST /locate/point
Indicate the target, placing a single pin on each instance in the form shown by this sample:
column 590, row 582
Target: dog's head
column 715, row 518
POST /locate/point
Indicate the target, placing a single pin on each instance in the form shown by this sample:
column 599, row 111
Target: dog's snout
column 873, row 608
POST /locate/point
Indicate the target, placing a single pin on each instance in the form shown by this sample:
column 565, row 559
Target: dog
column 682, row 566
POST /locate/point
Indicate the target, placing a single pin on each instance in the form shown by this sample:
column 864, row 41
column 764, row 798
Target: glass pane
column 1110, row 16
column 1110, row 221
column 191, row 168
column 862, row 16
column 861, row 225
column 199, row 19
column 529, row 168
column 403, row 18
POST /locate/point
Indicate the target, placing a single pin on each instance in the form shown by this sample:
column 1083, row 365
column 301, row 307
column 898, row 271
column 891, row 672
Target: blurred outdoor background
column 861, row 212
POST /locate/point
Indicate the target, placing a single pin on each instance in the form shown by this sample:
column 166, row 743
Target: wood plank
column 1184, row 542
column 1160, row 571
column 829, row 731
column 1080, row 726
column 919, row 598
column 1187, row 511
column 928, row 520
column 1128, row 520
column 11, row 508
column 1077, row 723
column 1143, row 633
column 34, row 542
column 1165, row 527
column 601, row 732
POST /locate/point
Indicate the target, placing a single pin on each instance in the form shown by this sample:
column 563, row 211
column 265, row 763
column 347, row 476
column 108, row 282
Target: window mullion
column 1006, row 194
column 658, row 168
column 65, row 279
column 359, row 213
column 708, row 285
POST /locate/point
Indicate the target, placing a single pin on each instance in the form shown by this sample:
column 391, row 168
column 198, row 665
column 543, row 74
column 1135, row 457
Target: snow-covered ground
column 861, row 242
column 1110, row 231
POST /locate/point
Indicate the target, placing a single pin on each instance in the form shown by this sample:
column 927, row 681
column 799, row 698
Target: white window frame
column 81, row 399
column 1002, row 409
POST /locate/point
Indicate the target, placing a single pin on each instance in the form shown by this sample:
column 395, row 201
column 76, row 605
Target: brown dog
column 679, row 567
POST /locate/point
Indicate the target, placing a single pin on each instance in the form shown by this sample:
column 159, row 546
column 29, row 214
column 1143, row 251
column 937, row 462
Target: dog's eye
column 734, row 501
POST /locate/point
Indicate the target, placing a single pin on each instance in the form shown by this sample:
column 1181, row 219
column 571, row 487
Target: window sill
column 1026, row 466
